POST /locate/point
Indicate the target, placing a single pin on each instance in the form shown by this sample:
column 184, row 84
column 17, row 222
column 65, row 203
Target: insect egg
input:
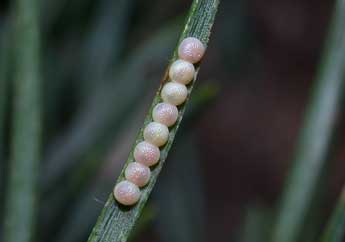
column 182, row 71
column 191, row 49
column 126, row 193
column 146, row 153
column 156, row 133
column 137, row 173
column 165, row 113
column 174, row 93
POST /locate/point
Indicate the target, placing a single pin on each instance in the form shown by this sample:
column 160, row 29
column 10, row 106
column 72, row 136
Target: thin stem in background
column 115, row 221
column 316, row 134
column 4, row 86
column 4, row 83
column 335, row 229
column 21, row 191
column 5, row 55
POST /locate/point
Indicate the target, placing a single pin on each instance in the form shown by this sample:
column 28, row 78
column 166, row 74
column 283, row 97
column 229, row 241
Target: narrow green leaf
column 83, row 212
column 335, row 229
column 313, row 222
column 25, row 151
column 5, row 55
column 115, row 221
column 4, row 83
column 316, row 134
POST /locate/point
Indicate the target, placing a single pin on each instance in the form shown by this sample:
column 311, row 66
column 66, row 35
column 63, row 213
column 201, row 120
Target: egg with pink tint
column 174, row 93
column 146, row 153
column 165, row 113
column 191, row 49
column 137, row 173
column 127, row 193
column 182, row 71
column 156, row 134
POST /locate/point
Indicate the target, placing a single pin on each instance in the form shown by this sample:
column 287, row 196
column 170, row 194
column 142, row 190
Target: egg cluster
column 164, row 115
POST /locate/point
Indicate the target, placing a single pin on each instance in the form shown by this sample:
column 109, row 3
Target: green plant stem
column 4, row 87
column 25, row 148
column 4, row 84
column 82, row 211
column 316, row 134
column 115, row 221
column 335, row 229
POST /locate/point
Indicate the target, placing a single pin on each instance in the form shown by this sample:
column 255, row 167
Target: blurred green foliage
column 100, row 63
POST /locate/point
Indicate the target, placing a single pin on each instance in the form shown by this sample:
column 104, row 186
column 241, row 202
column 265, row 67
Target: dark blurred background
column 101, row 64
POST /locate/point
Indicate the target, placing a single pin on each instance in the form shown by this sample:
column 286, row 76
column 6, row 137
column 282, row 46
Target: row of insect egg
column 164, row 115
